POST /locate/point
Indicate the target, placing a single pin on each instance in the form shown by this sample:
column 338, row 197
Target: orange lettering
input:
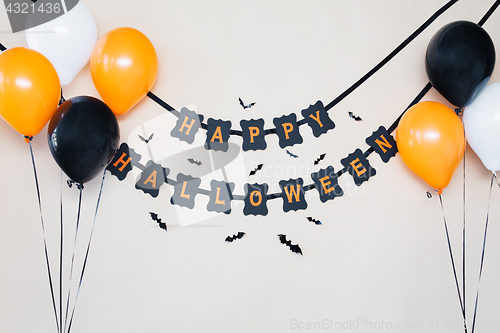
column 151, row 179
column 183, row 194
column 217, row 135
column 382, row 144
column 254, row 131
column 316, row 118
column 325, row 184
column 258, row 195
column 357, row 167
column 287, row 127
column 184, row 124
column 217, row 200
column 122, row 161
column 293, row 192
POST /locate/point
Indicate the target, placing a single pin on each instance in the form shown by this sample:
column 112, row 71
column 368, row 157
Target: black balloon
column 459, row 61
column 83, row 137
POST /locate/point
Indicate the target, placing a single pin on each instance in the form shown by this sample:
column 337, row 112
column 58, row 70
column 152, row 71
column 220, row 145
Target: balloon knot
column 62, row 100
column 78, row 185
column 440, row 191
column 27, row 138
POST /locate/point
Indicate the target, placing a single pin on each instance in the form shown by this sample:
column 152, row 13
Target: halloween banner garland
column 253, row 133
column 255, row 198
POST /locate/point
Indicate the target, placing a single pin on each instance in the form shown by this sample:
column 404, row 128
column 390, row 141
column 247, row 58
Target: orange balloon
column 29, row 90
column 431, row 141
column 123, row 66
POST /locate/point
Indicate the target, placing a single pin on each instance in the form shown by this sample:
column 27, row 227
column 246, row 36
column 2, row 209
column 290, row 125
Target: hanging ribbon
column 86, row 254
column 43, row 231
column 80, row 188
column 482, row 255
column 453, row 265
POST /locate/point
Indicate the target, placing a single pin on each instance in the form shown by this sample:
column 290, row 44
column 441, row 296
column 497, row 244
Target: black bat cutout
column 319, row 159
column 245, row 106
column 148, row 139
column 317, row 222
column 354, row 117
column 234, row 237
column 253, row 172
column 291, row 155
column 294, row 248
column 162, row 225
column 192, row 161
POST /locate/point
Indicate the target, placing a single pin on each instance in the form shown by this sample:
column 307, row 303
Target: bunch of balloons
column 431, row 139
column 83, row 133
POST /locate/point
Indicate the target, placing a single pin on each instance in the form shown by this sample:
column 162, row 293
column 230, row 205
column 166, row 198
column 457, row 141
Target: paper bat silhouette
column 253, row 172
column 162, row 225
column 148, row 139
column 192, row 161
column 245, row 106
column 294, row 248
column 317, row 222
column 354, row 117
column 234, row 237
column 319, row 159
column 291, row 155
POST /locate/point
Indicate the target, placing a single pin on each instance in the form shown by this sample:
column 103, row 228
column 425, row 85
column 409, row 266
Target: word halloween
column 221, row 194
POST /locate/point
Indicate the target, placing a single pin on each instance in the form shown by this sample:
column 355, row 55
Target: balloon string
column 453, row 264
column 61, row 257
column 43, row 232
column 73, row 256
column 482, row 255
column 349, row 90
column 463, row 235
column 87, row 252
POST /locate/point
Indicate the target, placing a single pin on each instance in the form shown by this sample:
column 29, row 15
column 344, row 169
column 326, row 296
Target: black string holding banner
column 310, row 120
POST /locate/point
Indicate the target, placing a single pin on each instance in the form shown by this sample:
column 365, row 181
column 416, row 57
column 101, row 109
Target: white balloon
column 482, row 126
column 66, row 41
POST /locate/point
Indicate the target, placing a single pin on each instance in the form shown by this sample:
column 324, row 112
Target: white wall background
column 380, row 257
